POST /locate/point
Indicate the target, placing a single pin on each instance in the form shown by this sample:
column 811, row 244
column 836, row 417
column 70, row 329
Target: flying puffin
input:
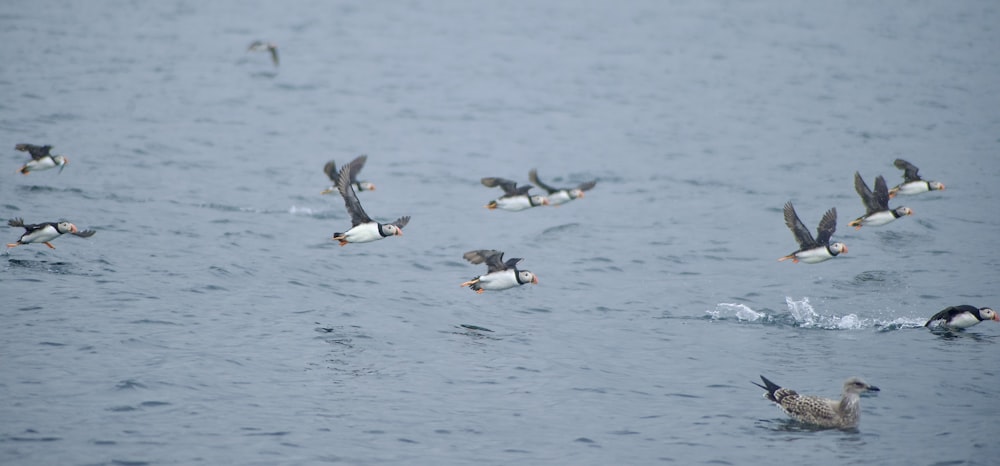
column 559, row 196
column 963, row 316
column 812, row 250
column 45, row 232
column 363, row 228
column 822, row 412
column 500, row 275
column 514, row 198
column 356, row 165
column 912, row 182
column 259, row 45
column 41, row 159
column 877, row 212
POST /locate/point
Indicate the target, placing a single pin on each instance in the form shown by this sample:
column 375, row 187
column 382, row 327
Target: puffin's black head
column 986, row 313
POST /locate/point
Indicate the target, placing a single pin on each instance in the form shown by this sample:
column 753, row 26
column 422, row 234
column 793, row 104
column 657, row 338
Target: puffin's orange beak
column 399, row 232
column 845, row 249
column 72, row 228
column 996, row 317
column 534, row 280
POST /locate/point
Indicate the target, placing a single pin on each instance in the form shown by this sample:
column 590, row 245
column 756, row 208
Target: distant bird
column 514, row 198
column 963, row 316
column 912, row 182
column 259, row 46
column 356, row 165
column 877, row 212
column 500, row 275
column 363, row 228
column 559, row 196
column 823, row 412
column 45, row 232
column 41, row 159
column 812, row 250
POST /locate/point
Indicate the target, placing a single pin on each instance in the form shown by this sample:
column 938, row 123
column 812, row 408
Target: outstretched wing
column 274, row 54
column 827, row 225
column 358, row 215
column 909, row 170
column 16, row 222
column 533, row 176
column 401, row 221
column 799, row 229
column 331, row 171
column 85, row 233
column 37, row 152
column 867, row 198
column 881, row 193
column 587, row 186
column 509, row 187
column 356, row 166
column 19, row 222
column 492, row 257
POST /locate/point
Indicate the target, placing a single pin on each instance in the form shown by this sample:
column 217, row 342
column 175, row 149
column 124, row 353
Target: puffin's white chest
column 913, row 187
column 963, row 320
column 42, row 235
column 43, row 163
column 814, row 255
column 363, row 233
column 514, row 203
column 559, row 197
column 498, row 280
column 879, row 218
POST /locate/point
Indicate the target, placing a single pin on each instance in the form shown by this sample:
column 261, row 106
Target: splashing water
column 803, row 314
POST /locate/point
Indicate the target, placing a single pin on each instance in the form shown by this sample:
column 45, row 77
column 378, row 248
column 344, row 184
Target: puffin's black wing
column 37, row 152
column 19, row 222
column 492, row 257
column 274, row 54
column 401, row 221
column 951, row 311
column 881, row 193
column 827, row 225
column 799, row 229
column 358, row 215
column 509, row 187
column 331, row 171
column 85, row 233
column 356, row 166
column 533, row 176
column 587, row 186
column 511, row 263
column 867, row 198
column 909, row 170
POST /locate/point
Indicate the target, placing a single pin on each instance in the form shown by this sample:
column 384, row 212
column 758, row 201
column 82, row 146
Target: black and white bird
column 822, row 412
column 45, row 232
column 812, row 250
column 356, row 165
column 912, row 182
column 514, row 198
column 500, row 275
column 41, row 158
column 363, row 228
column 559, row 196
column 260, row 46
column 963, row 316
column 877, row 212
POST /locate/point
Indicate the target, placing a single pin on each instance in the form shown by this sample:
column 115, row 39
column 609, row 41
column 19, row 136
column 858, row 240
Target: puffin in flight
column 812, row 250
column 41, row 159
column 363, row 228
column 514, row 198
column 45, row 232
column 912, row 182
column 259, row 46
column 963, row 316
column 356, row 165
column 500, row 275
column 877, row 212
column 559, row 196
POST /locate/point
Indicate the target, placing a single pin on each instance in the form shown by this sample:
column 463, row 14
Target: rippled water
column 211, row 320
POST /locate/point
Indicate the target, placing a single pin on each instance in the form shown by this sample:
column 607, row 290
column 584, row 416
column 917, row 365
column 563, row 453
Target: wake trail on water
column 802, row 314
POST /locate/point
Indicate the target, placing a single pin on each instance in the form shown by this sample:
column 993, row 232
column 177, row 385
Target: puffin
column 500, row 275
column 259, row 45
column 912, row 182
column 963, row 316
column 45, row 232
column 41, row 159
column 821, row 412
column 559, row 196
column 514, row 198
column 356, row 165
column 363, row 228
column 877, row 212
column 812, row 250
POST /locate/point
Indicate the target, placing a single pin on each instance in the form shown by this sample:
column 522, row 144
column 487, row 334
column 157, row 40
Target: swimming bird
column 356, row 165
column 812, row 250
column 559, row 196
column 963, row 316
column 259, row 45
column 912, row 182
column 45, row 232
column 500, row 275
column 823, row 412
column 363, row 228
column 877, row 212
column 41, row 159
column 514, row 198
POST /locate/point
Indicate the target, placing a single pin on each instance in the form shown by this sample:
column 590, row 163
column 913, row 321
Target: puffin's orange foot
column 469, row 283
column 795, row 260
column 480, row 291
column 857, row 227
column 49, row 245
column 13, row 245
column 343, row 243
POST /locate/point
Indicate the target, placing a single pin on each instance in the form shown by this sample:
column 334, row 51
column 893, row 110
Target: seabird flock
column 843, row 413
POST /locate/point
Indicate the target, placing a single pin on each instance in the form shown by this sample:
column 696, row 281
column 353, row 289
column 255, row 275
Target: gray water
column 211, row 320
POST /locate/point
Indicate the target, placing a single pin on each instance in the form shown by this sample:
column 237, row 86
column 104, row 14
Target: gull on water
column 823, row 412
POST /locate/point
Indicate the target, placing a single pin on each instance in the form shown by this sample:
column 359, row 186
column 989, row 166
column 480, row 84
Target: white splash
column 741, row 311
column 296, row 210
column 802, row 314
